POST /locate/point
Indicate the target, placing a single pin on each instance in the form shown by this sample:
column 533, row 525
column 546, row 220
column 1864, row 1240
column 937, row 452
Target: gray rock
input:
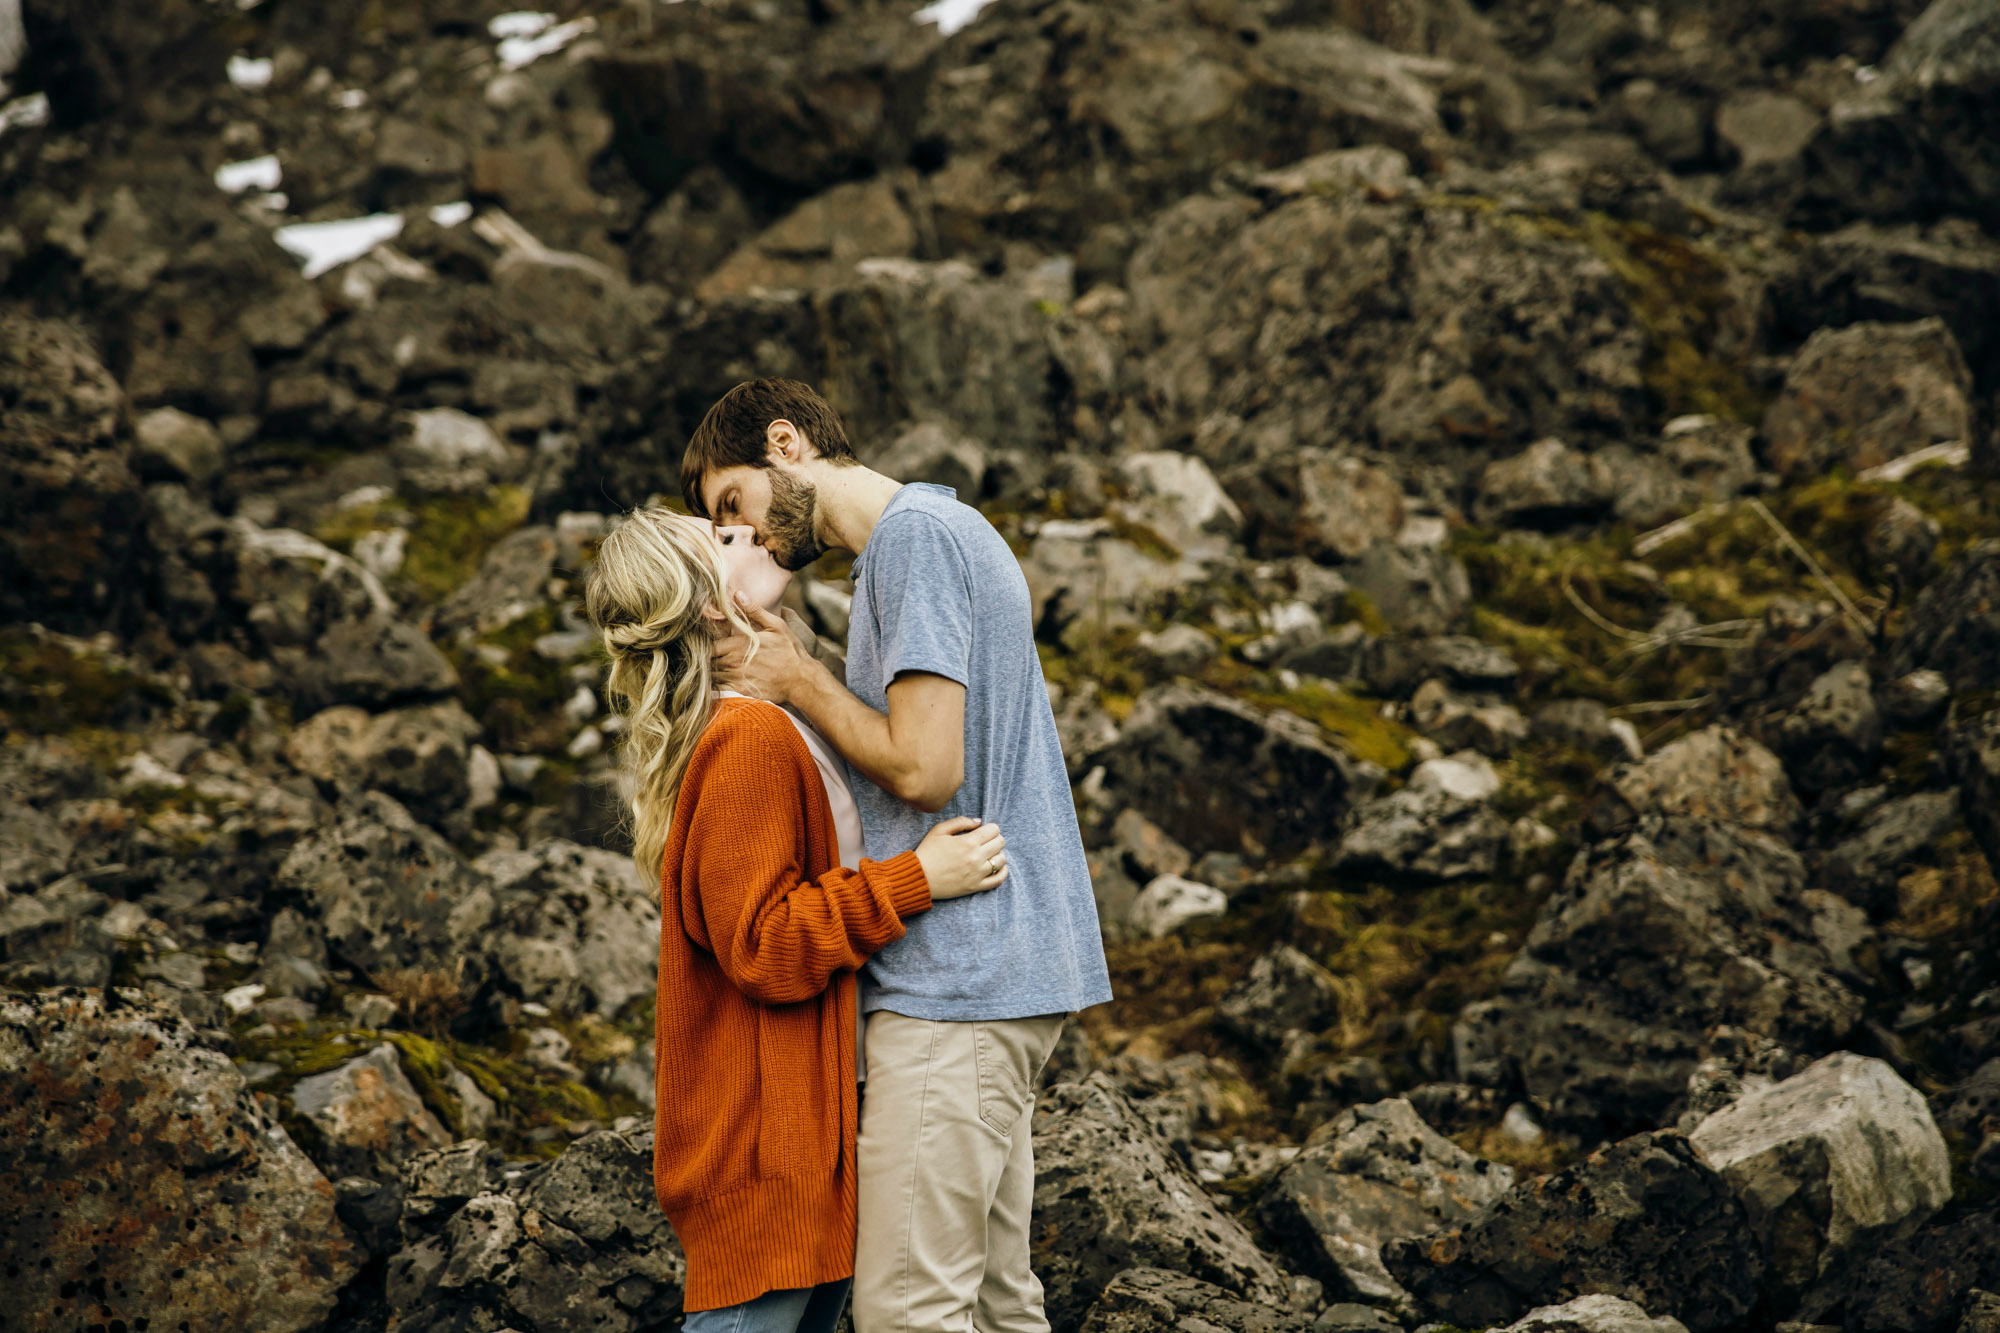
column 1371, row 1174
column 1585, row 724
column 1830, row 1164
column 1900, row 542
column 1916, row 697
column 1109, row 1196
column 1762, row 127
column 444, row 449
column 509, row 584
column 1969, row 1103
column 1860, row 396
column 1594, row 1314
column 1651, row 940
column 1177, row 649
column 418, row 755
column 1972, row 754
column 1715, row 773
column 1734, row 1064
column 117, row 1125
column 930, row 451
column 1177, row 496
column 1347, row 1317
column 1864, row 868
column 580, row 1240
column 1417, row 590
column 1224, row 777
column 1833, row 736
column 1954, row 626
column 370, row 1119
column 374, row 662
column 1459, row 723
column 1546, row 484
column 1645, row 1220
column 33, row 848
column 1169, row 902
column 1921, row 1283
column 1439, row 826
column 571, row 927
column 172, row 444
column 1316, row 503
column 1284, row 992
column 1982, row 1313
column 1155, row 1300
column 389, row 892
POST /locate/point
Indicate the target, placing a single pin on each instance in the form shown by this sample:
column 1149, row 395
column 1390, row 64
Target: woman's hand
column 962, row 856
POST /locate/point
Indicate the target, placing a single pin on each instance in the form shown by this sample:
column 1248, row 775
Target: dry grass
column 428, row 999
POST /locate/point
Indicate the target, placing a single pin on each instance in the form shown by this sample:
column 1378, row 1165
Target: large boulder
column 369, row 1118
column 1645, row 1220
column 1860, row 396
column 1109, row 1196
column 1954, row 627
column 1370, row 1175
column 1156, row 1300
column 1830, row 1164
column 388, row 892
column 579, row 1241
column 1225, row 777
column 572, row 927
column 68, row 495
column 138, row 1177
column 1441, row 825
column 1650, row 940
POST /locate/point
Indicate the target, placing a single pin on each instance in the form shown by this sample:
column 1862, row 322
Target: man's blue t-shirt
column 937, row 590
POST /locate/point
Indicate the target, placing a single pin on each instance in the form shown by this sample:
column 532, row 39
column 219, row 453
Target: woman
column 743, row 816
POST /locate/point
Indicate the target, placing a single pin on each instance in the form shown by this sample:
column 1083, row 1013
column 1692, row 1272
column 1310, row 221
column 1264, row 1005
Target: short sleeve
column 921, row 595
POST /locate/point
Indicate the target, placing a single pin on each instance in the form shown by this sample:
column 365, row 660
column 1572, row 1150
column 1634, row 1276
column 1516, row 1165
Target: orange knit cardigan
column 760, row 930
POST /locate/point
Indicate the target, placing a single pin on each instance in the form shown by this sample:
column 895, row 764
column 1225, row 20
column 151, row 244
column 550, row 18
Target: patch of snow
column 950, row 15
column 260, row 173
column 25, row 112
column 520, row 23
column 520, row 52
column 450, row 215
column 251, row 74
column 327, row 245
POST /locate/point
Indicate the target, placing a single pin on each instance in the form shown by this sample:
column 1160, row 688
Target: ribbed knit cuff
column 903, row 877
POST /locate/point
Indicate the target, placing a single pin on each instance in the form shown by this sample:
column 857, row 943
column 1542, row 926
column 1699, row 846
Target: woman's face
column 751, row 569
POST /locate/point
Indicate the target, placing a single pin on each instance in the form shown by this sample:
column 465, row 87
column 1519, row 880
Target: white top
column 846, row 829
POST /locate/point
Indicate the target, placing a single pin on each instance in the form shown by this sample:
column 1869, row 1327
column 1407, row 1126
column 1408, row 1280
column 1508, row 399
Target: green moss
column 1360, row 608
column 519, row 699
column 448, row 534
column 47, row 689
column 1355, row 723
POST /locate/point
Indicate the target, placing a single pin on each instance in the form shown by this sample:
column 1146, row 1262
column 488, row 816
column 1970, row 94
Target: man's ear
column 786, row 443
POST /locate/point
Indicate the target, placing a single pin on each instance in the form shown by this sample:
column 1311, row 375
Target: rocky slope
column 1510, row 493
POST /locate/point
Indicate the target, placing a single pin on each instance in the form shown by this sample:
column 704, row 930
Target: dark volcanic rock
column 139, row 1180
column 1224, row 777
column 1954, row 628
column 1156, row 1300
column 1921, row 1284
column 1370, row 1175
column 68, row 497
column 1863, row 395
column 1972, row 749
column 1645, row 1219
column 578, row 1242
column 1283, row 993
column 1109, row 1196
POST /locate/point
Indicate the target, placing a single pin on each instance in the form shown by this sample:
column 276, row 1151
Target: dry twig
column 1798, row 549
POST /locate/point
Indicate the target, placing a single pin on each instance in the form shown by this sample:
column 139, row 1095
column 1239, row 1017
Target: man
column 948, row 714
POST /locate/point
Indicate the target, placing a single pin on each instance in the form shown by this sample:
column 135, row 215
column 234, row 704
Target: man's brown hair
column 732, row 434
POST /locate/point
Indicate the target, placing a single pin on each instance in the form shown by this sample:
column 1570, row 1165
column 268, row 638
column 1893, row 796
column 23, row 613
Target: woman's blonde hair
column 654, row 577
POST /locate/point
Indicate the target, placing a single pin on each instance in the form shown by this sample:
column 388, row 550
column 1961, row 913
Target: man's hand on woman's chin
column 784, row 657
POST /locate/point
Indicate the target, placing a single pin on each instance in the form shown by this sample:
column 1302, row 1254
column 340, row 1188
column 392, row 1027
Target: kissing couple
column 861, row 976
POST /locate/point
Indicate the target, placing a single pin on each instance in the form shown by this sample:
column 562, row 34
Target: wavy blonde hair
column 655, row 576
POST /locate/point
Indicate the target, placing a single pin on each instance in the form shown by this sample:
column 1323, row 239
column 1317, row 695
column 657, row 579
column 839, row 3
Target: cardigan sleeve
column 745, row 896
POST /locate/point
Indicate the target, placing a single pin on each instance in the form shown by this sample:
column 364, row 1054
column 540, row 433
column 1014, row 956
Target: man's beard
column 788, row 526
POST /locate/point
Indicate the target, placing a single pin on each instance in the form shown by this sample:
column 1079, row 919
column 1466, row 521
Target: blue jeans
column 797, row 1310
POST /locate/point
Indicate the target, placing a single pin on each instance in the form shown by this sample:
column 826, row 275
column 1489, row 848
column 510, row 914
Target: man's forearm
column 865, row 738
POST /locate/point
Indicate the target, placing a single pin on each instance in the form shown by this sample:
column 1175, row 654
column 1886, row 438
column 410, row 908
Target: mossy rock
column 47, row 688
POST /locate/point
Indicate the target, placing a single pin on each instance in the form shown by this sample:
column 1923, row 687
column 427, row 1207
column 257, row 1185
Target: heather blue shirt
column 937, row 590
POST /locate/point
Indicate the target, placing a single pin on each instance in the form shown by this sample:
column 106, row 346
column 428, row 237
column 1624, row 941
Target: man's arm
column 915, row 752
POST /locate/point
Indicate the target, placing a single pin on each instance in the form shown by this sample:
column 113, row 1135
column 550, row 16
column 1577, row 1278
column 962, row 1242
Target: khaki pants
column 947, row 1176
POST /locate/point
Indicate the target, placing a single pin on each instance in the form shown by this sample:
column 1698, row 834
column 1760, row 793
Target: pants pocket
column 1009, row 1055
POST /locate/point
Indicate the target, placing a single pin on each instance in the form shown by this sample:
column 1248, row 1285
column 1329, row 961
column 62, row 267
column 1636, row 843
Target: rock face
column 139, row 1177
column 369, row 1118
column 1646, row 1220
column 1225, row 778
column 1860, row 396
column 1110, row 1196
column 578, row 1241
column 1156, row 1300
column 1651, row 939
column 389, row 892
column 1830, row 1164
column 1370, row 1175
